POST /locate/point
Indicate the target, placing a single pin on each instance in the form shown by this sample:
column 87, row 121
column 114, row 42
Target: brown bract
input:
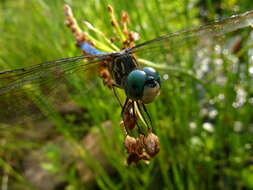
column 135, row 149
column 129, row 118
column 72, row 24
column 142, row 148
column 105, row 75
column 151, row 144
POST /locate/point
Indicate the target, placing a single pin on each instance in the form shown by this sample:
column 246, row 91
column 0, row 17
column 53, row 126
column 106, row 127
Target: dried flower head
column 130, row 144
column 129, row 118
column 105, row 75
column 135, row 149
column 72, row 24
column 106, row 45
column 151, row 143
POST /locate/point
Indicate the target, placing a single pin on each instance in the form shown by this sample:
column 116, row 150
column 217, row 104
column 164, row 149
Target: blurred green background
column 205, row 132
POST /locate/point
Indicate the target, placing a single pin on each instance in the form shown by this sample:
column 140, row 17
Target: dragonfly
column 141, row 84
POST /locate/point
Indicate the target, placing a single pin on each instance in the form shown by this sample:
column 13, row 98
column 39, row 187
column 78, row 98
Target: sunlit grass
column 204, row 130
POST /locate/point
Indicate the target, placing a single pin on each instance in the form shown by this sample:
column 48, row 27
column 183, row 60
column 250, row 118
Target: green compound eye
column 151, row 72
column 143, row 85
column 135, row 84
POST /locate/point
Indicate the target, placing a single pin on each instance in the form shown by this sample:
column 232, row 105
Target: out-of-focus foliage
column 205, row 133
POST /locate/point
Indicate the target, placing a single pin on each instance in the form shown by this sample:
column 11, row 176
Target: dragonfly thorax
column 120, row 68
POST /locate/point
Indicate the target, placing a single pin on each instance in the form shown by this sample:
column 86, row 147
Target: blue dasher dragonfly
column 141, row 85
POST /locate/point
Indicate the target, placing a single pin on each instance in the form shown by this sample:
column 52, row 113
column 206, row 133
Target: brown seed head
column 130, row 144
column 67, row 10
column 135, row 149
column 124, row 17
column 134, row 36
column 113, row 23
column 112, row 39
column 67, row 23
column 110, row 9
column 152, row 144
column 105, row 75
column 129, row 120
column 129, row 117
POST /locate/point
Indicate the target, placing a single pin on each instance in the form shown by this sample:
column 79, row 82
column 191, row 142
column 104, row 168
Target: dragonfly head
column 143, row 85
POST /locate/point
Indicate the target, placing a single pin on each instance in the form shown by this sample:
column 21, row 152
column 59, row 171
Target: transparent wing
column 55, row 78
column 163, row 49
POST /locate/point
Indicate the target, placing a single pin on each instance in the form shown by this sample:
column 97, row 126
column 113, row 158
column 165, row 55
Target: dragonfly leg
column 124, row 106
column 135, row 119
column 150, row 120
column 122, row 113
column 116, row 95
column 139, row 107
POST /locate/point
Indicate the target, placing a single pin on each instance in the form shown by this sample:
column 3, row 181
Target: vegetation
column 203, row 116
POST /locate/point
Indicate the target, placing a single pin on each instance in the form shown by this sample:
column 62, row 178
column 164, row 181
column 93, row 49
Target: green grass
column 191, row 156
